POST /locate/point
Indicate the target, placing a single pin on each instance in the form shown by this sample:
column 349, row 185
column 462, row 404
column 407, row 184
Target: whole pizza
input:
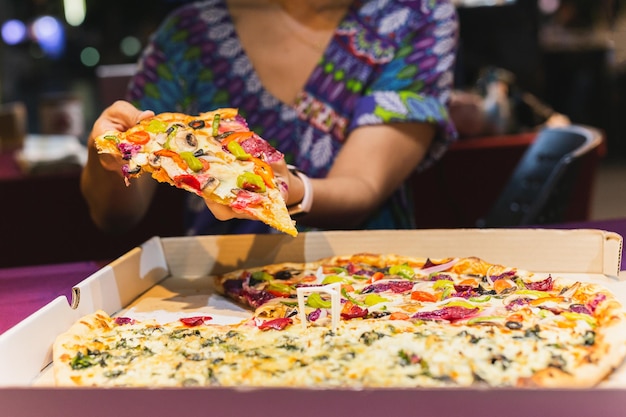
column 365, row 320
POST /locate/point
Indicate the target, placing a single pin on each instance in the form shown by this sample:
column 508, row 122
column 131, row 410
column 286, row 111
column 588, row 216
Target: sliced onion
column 323, row 313
column 395, row 279
column 489, row 311
column 488, row 277
column 569, row 293
column 440, row 267
column 211, row 159
column 514, row 296
column 161, row 138
column 421, row 284
column 443, row 302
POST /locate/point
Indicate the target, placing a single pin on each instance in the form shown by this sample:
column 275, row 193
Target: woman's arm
column 372, row 164
column 113, row 206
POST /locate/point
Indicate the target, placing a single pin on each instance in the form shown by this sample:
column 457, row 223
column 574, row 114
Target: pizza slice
column 214, row 155
column 374, row 286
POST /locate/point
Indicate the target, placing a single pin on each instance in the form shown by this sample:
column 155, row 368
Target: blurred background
column 570, row 54
column 53, row 48
column 63, row 61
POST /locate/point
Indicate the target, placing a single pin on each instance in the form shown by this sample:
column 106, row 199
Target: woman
column 352, row 92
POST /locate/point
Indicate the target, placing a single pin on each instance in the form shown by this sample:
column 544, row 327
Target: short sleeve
column 415, row 85
column 160, row 84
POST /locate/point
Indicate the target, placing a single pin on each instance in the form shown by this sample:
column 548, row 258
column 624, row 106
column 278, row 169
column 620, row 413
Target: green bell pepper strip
column 570, row 315
column 538, row 294
column 372, row 299
column 172, row 134
column 262, row 276
column 332, row 279
column 459, row 303
column 360, row 277
column 442, row 284
column 236, row 149
column 279, row 288
column 113, row 138
column 482, row 299
column 289, row 303
column 315, row 300
column 193, row 162
column 156, row 126
column 251, row 182
column 216, row 124
column 402, row 270
column 485, row 319
column 351, row 299
column 447, row 291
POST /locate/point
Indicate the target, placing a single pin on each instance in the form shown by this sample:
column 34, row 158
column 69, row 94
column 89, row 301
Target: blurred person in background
column 496, row 105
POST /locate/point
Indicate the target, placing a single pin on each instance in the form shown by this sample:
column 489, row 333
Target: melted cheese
column 359, row 354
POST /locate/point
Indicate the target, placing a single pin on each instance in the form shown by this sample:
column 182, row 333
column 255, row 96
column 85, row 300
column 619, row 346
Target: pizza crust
column 608, row 355
column 67, row 344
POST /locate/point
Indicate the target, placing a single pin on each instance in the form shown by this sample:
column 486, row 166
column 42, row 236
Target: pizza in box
column 365, row 320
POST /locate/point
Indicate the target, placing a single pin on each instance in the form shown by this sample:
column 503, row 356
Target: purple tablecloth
column 24, row 290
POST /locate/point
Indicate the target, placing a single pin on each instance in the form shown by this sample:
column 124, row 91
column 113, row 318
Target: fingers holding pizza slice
column 214, row 155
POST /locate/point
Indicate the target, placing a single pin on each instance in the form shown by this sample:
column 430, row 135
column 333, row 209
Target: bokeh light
column 75, row 11
column 50, row 35
column 549, row 6
column 89, row 56
column 13, row 32
column 130, row 46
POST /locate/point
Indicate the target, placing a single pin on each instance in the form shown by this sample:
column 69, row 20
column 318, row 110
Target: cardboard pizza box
column 169, row 277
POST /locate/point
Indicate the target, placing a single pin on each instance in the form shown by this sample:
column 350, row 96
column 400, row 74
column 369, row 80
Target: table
column 24, row 290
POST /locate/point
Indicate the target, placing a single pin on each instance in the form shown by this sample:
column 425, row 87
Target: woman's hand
column 120, row 116
column 289, row 185
column 113, row 206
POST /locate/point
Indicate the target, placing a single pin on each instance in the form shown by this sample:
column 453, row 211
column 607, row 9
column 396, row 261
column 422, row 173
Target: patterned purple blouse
column 389, row 61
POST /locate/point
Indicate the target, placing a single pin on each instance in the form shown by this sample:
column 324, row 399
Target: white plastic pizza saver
column 335, row 301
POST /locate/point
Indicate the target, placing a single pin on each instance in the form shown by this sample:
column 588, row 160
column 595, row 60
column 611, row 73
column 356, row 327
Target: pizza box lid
column 25, row 350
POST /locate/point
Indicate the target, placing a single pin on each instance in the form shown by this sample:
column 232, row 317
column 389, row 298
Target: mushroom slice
column 154, row 160
column 186, row 141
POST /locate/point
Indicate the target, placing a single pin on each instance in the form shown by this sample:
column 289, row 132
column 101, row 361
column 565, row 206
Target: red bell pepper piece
column 352, row 311
column 176, row 157
column 195, row 321
column 188, row 180
column 140, row 137
column 275, row 324
column 424, row 296
column 237, row 136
